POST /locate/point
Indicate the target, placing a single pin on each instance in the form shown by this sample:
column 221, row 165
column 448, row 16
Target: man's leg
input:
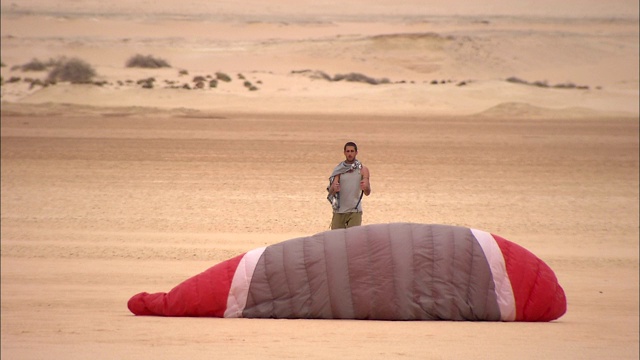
column 354, row 219
column 338, row 221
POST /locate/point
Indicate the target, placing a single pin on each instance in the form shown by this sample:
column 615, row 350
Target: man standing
column 348, row 182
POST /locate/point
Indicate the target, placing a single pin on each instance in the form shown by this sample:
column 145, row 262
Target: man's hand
column 365, row 186
column 335, row 187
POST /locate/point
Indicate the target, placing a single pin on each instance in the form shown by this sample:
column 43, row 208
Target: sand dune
column 595, row 51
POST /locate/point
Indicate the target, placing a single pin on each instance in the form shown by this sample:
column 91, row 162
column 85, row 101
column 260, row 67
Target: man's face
column 350, row 153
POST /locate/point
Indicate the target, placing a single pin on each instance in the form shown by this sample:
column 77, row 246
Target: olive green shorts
column 346, row 220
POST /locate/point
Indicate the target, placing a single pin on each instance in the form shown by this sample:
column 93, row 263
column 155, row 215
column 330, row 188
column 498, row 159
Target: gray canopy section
column 397, row 271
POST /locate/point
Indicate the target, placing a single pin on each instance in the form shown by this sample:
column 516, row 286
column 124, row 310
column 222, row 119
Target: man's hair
column 350, row 143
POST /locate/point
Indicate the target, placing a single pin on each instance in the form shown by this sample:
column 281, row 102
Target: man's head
column 350, row 143
column 350, row 151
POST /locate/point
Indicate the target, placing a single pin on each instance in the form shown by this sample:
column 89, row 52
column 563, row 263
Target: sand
column 112, row 189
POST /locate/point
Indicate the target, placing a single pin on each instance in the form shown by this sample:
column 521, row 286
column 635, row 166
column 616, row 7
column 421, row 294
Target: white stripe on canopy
column 504, row 291
column 237, row 299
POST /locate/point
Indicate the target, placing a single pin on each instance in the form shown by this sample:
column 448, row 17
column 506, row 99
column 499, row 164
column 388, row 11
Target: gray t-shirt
column 350, row 192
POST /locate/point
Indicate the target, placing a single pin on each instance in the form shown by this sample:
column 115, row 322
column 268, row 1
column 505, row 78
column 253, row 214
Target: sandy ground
column 111, row 190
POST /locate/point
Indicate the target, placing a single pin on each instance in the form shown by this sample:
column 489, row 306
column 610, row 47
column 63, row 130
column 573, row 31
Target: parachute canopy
column 397, row 271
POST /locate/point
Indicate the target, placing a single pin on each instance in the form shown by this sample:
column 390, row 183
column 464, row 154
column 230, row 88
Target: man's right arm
column 335, row 185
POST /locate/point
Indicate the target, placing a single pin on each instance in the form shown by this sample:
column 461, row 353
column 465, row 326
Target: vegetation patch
column 73, row 70
column 352, row 77
column 146, row 61
column 223, row 77
column 544, row 84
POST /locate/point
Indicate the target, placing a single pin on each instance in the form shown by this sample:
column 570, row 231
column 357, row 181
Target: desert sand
column 113, row 189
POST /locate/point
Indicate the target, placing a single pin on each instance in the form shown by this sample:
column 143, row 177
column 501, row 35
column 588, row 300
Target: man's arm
column 365, row 184
column 335, row 185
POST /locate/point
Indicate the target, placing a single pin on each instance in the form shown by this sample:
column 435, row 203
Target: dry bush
column 540, row 84
column 357, row 77
column 73, row 70
column 223, row 77
column 35, row 65
column 570, row 85
column 317, row 74
column 516, row 80
column 321, row 75
column 146, row 83
column 148, row 61
column 354, row 77
column 544, row 84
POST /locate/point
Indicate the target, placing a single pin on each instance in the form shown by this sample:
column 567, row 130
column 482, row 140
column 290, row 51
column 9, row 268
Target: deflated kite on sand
column 397, row 271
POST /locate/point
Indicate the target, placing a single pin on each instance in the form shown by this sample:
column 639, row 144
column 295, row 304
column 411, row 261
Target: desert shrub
column 540, row 84
column 354, row 77
column 148, row 61
column 320, row 75
column 146, row 80
column 544, row 84
column 183, row 72
column 213, row 83
column 146, row 83
column 35, row 82
column 223, row 77
column 516, row 80
column 35, row 65
column 565, row 86
column 250, row 86
column 199, row 78
column 73, row 70
column 357, row 77
column 317, row 74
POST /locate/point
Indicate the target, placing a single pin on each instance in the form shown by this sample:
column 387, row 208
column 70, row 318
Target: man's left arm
column 365, row 184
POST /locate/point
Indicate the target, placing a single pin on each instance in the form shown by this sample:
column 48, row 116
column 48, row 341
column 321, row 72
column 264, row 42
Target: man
column 348, row 182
